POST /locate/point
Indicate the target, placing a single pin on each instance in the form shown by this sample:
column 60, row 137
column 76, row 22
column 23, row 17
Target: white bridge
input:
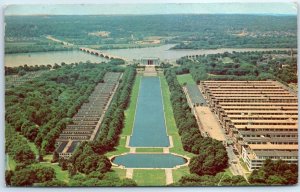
column 101, row 54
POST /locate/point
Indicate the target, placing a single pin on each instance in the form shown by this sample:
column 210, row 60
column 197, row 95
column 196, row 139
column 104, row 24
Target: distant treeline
column 188, row 31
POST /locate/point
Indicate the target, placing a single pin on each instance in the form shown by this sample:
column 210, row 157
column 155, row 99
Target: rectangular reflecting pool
column 149, row 128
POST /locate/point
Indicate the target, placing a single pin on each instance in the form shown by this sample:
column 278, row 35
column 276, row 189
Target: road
column 235, row 168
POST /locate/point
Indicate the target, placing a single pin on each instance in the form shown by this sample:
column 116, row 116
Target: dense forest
column 187, row 31
column 277, row 65
column 38, row 110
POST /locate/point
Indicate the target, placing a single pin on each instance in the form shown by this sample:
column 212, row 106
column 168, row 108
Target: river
column 51, row 57
column 163, row 52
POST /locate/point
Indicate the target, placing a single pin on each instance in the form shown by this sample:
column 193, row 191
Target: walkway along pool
column 149, row 128
column 149, row 160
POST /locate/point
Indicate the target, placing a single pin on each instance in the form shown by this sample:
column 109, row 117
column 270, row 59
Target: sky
column 137, row 9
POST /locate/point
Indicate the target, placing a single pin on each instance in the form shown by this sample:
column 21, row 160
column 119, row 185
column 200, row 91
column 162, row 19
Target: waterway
column 162, row 52
column 165, row 53
column 51, row 57
column 149, row 160
column 149, row 128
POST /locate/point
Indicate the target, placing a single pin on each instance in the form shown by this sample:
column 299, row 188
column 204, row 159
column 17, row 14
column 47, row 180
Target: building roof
column 273, row 147
column 150, row 58
column 277, row 153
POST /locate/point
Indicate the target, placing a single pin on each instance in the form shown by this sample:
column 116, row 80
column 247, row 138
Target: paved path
column 166, row 150
column 132, row 150
column 129, row 173
column 169, row 176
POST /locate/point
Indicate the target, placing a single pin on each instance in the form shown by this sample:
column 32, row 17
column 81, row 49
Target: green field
column 130, row 112
column 227, row 60
column 120, row 172
column 178, row 173
column 10, row 163
column 149, row 150
column 186, row 78
column 146, row 177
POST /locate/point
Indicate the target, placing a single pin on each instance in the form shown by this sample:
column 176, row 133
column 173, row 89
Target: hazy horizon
column 153, row 9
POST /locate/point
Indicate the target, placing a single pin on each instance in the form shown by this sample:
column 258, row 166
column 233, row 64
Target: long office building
column 86, row 122
column 261, row 117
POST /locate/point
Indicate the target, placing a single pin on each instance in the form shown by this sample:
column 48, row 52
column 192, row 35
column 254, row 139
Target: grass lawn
column 10, row 163
column 170, row 120
column 120, row 172
column 129, row 118
column 227, row 60
column 228, row 172
column 178, row 173
column 130, row 112
column 186, row 78
column 149, row 150
column 143, row 177
column 33, row 148
column 60, row 174
column 48, row 158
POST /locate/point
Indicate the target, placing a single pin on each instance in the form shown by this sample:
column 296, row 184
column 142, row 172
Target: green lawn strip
column 48, row 158
column 130, row 112
column 60, row 174
column 129, row 118
column 149, row 150
column 178, row 173
column 170, row 120
column 120, row 172
column 186, row 78
column 228, row 172
column 148, row 177
column 11, row 163
column 33, row 148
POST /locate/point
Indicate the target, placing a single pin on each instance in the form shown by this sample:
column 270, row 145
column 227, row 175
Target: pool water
column 149, row 125
column 149, row 160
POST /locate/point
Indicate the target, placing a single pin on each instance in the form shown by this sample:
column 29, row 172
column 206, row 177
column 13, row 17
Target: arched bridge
column 101, row 54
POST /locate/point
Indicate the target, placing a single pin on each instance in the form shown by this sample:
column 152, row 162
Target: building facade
column 261, row 117
column 150, row 61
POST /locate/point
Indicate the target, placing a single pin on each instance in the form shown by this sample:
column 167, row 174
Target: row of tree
column 211, row 154
column 113, row 121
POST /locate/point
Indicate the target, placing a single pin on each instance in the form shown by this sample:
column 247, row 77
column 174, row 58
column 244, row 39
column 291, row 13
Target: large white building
column 150, row 61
